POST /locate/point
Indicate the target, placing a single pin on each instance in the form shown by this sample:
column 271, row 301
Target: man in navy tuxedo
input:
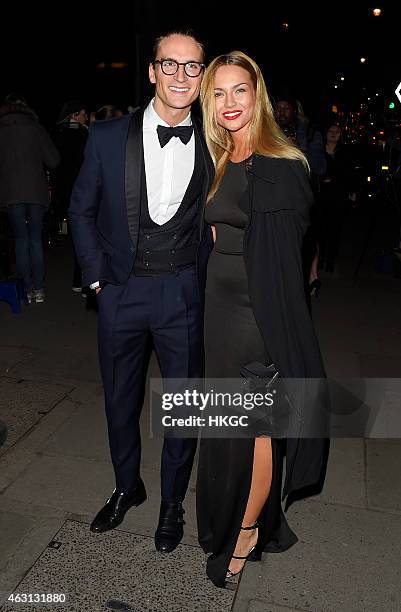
column 136, row 215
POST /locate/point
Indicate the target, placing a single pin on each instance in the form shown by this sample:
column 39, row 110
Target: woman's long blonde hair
column 265, row 136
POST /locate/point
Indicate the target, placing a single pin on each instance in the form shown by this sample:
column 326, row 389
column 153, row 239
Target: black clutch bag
column 272, row 417
column 259, row 376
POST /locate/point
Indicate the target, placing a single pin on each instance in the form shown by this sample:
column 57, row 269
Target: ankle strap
column 251, row 527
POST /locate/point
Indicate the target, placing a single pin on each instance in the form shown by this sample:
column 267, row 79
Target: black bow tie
column 183, row 132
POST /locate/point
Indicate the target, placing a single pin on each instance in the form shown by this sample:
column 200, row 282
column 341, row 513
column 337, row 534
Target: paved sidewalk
column 55, row 474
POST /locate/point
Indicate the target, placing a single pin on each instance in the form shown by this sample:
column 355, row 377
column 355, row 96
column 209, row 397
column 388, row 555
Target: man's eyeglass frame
column 178, row 64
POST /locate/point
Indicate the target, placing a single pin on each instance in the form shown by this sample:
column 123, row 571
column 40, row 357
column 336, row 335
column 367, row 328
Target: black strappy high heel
column 253, row 554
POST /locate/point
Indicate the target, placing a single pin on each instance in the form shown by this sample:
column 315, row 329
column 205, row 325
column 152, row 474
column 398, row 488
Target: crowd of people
column 36, row 186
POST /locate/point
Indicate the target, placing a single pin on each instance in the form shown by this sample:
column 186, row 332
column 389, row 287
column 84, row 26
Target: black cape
column 279, row 200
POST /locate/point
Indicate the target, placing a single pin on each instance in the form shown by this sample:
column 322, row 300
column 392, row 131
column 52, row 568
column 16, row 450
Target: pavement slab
column 13, row 529
column 120, row 571
column 17, row 458
column 346, row 559
column 24, row 403
column 79, row 487
column 58, row 363
column 383, row 478
column 11, row 356
column 23, row 536
column 90, row 420
column 346, row 475
column 261, row 606
column 380, row 366
column 64, row 483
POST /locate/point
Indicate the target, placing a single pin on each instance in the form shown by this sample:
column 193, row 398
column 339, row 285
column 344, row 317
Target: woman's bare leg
column 259, row 492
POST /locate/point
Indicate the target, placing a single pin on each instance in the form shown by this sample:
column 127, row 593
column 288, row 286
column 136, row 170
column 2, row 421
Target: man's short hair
column 178, row 31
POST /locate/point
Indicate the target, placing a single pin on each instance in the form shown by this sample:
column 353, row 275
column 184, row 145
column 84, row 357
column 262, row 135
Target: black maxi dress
column 232, row 339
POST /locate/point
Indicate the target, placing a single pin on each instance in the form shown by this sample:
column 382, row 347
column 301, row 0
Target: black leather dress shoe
column 113, row 512
column 170, row 528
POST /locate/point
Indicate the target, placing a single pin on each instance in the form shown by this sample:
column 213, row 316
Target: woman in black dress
column 255, row 308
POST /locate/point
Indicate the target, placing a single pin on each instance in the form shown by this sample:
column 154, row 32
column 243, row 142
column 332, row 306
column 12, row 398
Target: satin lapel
column 133, row 174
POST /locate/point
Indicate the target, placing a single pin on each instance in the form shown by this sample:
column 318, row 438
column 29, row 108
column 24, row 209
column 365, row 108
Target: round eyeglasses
column 170, row 67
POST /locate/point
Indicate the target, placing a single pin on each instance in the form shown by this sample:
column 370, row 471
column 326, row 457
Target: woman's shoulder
column 288, row 180
column 282, row 164
column 279, row 169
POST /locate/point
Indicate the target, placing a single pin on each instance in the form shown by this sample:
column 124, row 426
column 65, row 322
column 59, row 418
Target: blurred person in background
column 26, row 150
column 338, row 193
column 119, row 111
column 107, row 111
column 71, row 137
column 301, row 132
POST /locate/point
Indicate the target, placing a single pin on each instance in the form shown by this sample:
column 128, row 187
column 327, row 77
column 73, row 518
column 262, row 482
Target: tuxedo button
column 172, row 251
column 146, row 263
column 175, row 237
column 147, row 252
column 147, row 236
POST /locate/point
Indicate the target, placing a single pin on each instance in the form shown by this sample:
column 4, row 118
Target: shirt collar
column 151, row 119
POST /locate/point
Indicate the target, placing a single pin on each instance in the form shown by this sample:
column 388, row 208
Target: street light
column 362, row 60
column 376, row 12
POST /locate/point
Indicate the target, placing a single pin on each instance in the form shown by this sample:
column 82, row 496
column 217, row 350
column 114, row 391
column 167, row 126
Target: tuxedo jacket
column 104, row 212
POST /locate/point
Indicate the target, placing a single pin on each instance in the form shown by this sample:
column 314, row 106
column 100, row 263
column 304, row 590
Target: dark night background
column 50, row 55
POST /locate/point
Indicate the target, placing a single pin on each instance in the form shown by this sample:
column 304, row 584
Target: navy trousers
column 165, row 311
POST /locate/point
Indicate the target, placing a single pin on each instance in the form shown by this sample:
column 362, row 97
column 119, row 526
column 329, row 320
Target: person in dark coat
column 255, row 312
column 26, row 150
column 301, row 132
column 307, row 137
column 338, row 192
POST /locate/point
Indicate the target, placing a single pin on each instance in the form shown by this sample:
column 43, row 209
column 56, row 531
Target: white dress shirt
column 168, row 169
